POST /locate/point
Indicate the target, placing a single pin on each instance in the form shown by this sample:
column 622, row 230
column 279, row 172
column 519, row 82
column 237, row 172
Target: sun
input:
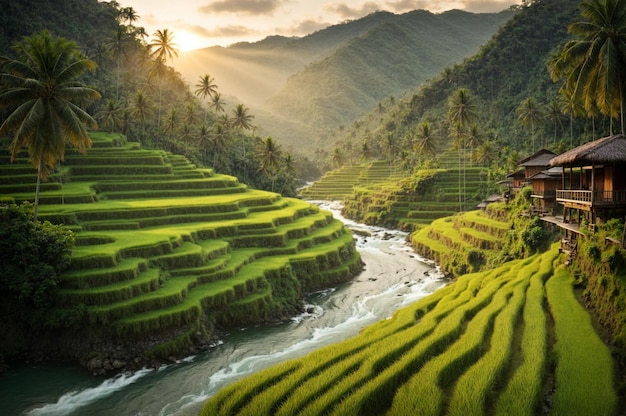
column 187, row 41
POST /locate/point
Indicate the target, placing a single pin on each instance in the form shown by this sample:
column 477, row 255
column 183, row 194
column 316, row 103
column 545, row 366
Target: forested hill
column 84, row 21
column 307, row 86
column 510, row 68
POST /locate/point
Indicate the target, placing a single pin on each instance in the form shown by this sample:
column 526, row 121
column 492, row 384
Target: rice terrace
column 379, row 211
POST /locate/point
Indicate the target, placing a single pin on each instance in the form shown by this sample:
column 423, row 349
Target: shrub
column 32, row 254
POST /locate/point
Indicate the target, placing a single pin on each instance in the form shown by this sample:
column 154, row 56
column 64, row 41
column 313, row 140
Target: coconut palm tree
column 461, row 113
column 171, row 122
column 241, row 119
column 270, row 156
column 204, row 140
column 530, row 112
column 594, row 66
column 140, row 110
column 206, row 87
column 220, row 139
column 554, row 115
column 425, row 140
column 217, row 103
column 117, row 46
column 109, row 116
column 163, row 48
column 41, row 87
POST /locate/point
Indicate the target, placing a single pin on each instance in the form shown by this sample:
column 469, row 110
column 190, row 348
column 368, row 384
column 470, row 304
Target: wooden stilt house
column 593, row 182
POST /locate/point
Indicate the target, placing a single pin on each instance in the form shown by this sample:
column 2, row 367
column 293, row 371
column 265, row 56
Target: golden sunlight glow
column 187, row 41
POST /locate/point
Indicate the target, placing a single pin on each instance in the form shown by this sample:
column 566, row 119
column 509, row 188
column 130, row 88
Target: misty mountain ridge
column 300, row 89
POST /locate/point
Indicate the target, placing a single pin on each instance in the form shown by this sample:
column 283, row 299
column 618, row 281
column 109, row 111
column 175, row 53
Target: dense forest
column 516, row 107
column 147, row 100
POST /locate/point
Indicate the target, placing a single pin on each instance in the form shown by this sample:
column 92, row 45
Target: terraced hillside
column 165, row 249
column 410, row 203
column 510, row 341
column 461, row 243
column 339, row 183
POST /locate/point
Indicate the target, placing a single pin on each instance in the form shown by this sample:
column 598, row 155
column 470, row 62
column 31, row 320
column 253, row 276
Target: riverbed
column 394, row 276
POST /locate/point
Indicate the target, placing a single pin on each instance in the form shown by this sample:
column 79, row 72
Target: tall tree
column 530, row 113
column 594, row 66
column 206, row 87
column 163, row 48
column 118, row 47
column 461, row 113
column 42, row 87
column 270, row 156
column 425, row 145
column 217, row 103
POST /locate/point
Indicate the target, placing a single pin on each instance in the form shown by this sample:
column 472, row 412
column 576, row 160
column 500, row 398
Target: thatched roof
column 607, row 150
column 541, row 158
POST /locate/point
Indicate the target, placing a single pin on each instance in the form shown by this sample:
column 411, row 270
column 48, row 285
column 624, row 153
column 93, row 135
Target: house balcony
column 591, row 198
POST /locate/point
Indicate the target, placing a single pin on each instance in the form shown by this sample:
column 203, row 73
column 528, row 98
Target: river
column 394, row 276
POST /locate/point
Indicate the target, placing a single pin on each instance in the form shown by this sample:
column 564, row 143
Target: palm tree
column 163, row 48
column 555, row 115
column 204, row 140
column 530, row 112
column 43, row 89
column 217, row 103
column 461, row 112
column 141, row 110
column 110, row 116
column 220, row 139
column 594, row 66
column 242, row 121
column 117, row 46
column 205, row 87
column 128, row 14
column 474, row 138
column 572, row 108
column 425, row 140
column 171, row 122
column 270, row 155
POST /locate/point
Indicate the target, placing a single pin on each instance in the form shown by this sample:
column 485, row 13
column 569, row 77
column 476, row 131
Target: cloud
column 242, row 7
column 304, row 27
column 487, row 6
column 230, row 31
column 400, row 6
column 474, row 6
column 348, row 12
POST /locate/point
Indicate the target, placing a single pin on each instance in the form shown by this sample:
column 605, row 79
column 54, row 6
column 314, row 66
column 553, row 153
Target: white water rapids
column 394, row 276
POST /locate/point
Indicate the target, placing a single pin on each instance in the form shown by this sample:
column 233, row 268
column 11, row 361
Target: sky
column 202, row 23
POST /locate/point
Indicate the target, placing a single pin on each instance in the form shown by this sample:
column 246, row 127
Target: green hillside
column 302, row 88
column 165, row 251
column 507, row 69
column 512, row 340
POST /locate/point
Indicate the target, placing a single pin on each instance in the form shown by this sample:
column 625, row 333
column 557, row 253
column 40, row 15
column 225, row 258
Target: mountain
column 509, row 68
column 302, row 88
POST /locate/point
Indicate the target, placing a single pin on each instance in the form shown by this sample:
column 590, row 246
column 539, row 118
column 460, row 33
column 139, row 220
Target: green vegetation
column 33, row 256
column 474, row 347
column 165, row 250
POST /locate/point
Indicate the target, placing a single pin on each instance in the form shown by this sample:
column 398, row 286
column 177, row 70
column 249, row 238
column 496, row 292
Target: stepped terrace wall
column 166, row 252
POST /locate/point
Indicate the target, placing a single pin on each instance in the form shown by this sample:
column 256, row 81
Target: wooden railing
column 544, row 194
column 589, row 197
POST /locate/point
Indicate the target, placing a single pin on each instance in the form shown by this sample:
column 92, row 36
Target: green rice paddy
column 164, row 247
column 512, row 340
